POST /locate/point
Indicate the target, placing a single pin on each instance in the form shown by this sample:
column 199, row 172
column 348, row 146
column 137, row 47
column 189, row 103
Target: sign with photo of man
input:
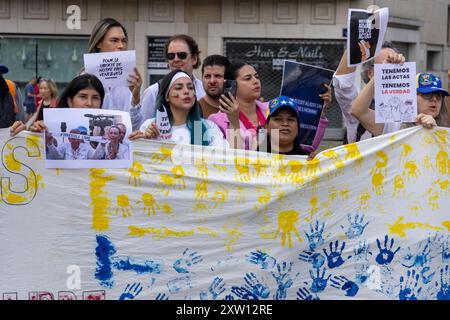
column 87, row 138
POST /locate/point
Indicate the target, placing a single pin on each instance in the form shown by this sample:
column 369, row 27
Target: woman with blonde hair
column 109, row 35
column 49, row 93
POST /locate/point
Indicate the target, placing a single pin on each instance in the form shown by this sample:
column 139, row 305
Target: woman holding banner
column 430, row 103
column 178, row 117
column 84, row 91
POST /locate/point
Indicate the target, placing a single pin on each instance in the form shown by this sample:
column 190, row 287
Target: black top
column 41, row 111
column 295, row 151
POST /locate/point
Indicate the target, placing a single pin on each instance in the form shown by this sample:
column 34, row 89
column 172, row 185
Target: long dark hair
column 84, row 81
column 7, row 115
column 193, row 115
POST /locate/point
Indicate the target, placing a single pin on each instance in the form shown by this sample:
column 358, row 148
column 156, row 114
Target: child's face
column 285, row 121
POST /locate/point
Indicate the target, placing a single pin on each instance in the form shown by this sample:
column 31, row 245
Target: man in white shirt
column 181, row 53
column 346, row 91
column 74, row 149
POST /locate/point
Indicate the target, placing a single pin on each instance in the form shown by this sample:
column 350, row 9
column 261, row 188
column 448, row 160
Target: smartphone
column 230, row 87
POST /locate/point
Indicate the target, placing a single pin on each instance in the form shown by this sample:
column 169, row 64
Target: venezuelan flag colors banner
column 362, row 221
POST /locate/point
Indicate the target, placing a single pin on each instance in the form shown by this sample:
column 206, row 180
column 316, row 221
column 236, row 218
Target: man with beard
column 213, row 76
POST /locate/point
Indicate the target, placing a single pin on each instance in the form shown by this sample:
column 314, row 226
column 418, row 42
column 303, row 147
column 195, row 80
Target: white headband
column 175, row 78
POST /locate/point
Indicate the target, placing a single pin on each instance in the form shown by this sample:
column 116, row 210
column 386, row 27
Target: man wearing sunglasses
column 182, row 53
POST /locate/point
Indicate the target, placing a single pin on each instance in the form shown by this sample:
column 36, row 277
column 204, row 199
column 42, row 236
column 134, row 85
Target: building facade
column 36, row 36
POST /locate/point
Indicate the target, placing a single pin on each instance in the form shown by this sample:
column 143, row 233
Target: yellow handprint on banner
column 286, row 225
column 123, row 203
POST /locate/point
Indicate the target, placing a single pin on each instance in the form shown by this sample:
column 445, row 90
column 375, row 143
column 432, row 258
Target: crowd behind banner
column 222, row 109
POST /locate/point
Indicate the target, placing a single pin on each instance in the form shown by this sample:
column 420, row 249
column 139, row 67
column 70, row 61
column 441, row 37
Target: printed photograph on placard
column 366, row 31
column 87, row 138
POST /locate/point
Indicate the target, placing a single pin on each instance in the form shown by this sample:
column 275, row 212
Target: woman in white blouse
column 177, row 101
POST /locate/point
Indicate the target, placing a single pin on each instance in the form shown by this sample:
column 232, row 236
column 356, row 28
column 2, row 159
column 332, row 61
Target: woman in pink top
column 244, row 112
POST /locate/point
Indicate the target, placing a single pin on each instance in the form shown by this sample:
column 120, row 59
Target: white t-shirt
column 182, row 135
column 346, row 92
column 392, row 127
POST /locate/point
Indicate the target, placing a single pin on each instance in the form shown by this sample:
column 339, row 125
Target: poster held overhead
column 395, row 93
column 304, row 83
column 366, row 31
column 112, row 68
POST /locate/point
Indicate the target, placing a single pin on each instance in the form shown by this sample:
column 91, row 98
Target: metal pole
column 36, row 64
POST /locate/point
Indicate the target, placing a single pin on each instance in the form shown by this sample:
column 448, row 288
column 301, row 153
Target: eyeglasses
column 181, row 55
column 429, row 96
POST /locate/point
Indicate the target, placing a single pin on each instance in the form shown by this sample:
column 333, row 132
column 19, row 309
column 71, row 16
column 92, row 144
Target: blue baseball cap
column 282, row 102
column 428, row 82
column 83, row 130
column 3, row 69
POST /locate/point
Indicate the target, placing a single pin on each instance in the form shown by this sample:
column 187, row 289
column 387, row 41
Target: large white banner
column 362, row 221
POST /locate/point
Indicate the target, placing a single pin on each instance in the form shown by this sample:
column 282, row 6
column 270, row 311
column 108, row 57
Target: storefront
column 267, row 56
column 56, row 58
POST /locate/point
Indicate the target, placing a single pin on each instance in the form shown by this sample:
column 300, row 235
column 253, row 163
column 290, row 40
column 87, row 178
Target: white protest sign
column 395, row 93
column 163, row 123
column 112, row 68
column 87, row 138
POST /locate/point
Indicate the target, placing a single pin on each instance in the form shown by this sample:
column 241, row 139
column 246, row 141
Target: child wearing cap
column 430, row 104
column 282, row 127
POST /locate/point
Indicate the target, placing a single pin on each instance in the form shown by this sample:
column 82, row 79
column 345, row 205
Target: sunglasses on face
column 429, row 96
column 181, row 55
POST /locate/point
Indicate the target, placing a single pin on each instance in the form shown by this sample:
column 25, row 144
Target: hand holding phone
column 230, row 87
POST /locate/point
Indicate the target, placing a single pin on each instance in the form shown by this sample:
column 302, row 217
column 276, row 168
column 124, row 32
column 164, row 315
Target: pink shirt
column 221, row 119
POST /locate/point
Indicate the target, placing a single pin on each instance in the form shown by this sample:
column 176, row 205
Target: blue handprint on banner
column 335, row 257
column 283, row 279
column 417, row 258
column 444, row 286
column 386, row 254
column 356, row 227
column 319, row 282
column 243, row 293
column 162, row 297
column 316, row 259
column 265, row 261
column 342, row 283
column 257, row 287
column 362, row 251
column 315, row 238
column 131, row 291
column 411, row 290
column 214, row 290
column 445, row 252
column 304, row 294
column 189, row 259
column 176, row 285
column 426, row 275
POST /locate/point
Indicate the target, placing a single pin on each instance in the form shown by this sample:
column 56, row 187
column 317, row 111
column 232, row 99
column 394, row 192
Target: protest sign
column 163, row 123
column 365, row 36
column 361, row 221
column 304, row 83
column 87, row 138
column 112, row 68
column 395, row 93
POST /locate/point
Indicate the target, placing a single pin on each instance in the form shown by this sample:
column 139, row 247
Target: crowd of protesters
column 225, row 118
